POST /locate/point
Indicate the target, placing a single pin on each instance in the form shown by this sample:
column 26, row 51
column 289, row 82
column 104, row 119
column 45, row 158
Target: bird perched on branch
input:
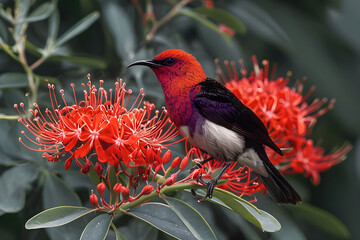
column 215, row 120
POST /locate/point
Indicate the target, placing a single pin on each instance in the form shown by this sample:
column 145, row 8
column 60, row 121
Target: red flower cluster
column 238, row 178
column 102, row 123
column 287, row 116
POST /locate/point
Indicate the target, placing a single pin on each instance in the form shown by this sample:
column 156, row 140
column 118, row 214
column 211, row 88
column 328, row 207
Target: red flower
column 239, row 178
column 102, row 123
column 287, row 116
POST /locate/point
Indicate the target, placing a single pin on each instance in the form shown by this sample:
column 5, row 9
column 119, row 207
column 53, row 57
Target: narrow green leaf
column 192, row 219
column 321, row 219
column 118, row 235
column 163, row 218
column 113, row 180
column 57, row 216
column 79, row 60
column 94, row 177
column 4, row 33
column 221, row 16
column 5, row 14
column 198, row 17
column 97, row 228
column 52, row 32
column 78, row 28
column 259, row 218
column 13, row 80
column 121, row 29
column 42, row 12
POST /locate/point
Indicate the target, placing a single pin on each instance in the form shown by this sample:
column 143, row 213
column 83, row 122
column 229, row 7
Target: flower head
column 238, row 178
column 102, row 124
column 287, row 116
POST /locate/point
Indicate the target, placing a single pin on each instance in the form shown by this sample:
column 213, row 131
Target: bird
column 213, row 119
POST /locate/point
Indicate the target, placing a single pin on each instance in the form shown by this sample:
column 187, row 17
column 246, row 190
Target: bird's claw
column 211, row 185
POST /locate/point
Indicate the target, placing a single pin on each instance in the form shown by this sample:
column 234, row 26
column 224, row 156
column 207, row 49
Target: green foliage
column 62, row 41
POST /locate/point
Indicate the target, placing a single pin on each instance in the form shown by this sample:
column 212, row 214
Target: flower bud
column 68, row 162
column 125, row 192
column 117, row 188
column 101, row 188
column 94, row 200
column 175, row 162
column 196, row 173
column 170, row 181
column 146, row 190
column 98, row 169
column 166, row 158
column 86, row 168
column 184, row 163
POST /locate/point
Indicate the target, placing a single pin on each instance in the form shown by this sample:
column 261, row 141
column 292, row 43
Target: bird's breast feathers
column 222, row 144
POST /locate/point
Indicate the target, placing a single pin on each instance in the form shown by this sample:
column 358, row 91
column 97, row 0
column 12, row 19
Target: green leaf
column 4, row 34
column 94, row 177
column 321, row 219
column 113, row 180
column 118, row 235
column 14, row 183
column 120, row 28
column 221, row 16
column 56, row 192
column 84, row 61
column 78, row 28
column 140, row 230
column 13, row 80
column 52, row 32
column 5, row 14
column 259, row 218
column 163, row 218
column 192, row 219
column 42, row 12
column 198, row 17
column 97, row 228
column 57, row 216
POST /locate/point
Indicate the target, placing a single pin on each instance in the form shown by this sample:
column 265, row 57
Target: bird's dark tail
column 276, row 184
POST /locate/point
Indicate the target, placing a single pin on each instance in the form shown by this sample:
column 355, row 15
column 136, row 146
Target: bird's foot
column 211, row 185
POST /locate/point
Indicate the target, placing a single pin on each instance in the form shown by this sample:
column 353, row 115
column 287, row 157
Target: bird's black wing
column 219, row 105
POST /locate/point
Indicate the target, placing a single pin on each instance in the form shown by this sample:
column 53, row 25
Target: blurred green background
column 316, row 39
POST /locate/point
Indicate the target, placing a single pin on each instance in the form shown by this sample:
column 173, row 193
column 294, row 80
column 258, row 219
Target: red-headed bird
column 215, row 120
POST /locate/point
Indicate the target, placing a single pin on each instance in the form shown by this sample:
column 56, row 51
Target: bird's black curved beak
column 149, row 63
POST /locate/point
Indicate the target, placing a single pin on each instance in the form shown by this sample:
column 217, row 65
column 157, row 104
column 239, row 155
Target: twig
column 166, row 18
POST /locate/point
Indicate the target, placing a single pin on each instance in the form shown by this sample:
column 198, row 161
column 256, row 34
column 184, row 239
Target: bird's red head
column 177, row 72
column 175, row 66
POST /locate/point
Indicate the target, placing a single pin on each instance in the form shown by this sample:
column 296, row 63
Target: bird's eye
column 169, row 61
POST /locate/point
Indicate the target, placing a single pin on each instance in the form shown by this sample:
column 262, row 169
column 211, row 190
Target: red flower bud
column 184, row 163
column 196, row 173
column 170, row 181
column 117, row 188
column 101, row 188
column 125, row 192
column 166, row 158
column 68, row 162
column 175, row 162
column 86, row 168
column 94, row 200
column 146, row 190
column 98, row 169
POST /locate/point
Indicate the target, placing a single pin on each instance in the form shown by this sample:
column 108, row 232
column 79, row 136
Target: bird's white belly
column 216, row 140
column 223, row 144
